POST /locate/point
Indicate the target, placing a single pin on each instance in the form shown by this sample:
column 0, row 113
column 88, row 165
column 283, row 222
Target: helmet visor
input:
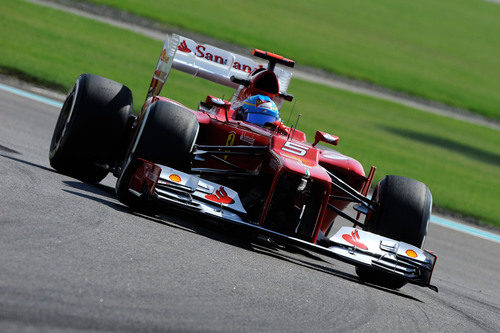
column 259, row 118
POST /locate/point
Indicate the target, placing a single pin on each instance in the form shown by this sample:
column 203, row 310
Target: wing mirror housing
column 325, row 137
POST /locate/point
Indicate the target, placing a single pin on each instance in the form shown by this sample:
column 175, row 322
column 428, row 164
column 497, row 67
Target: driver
column 259, row 110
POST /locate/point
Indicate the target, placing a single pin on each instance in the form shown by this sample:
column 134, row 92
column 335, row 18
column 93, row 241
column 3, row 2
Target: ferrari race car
column 265, row 179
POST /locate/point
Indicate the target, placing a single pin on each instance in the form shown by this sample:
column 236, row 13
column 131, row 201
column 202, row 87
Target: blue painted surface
column 434, row 219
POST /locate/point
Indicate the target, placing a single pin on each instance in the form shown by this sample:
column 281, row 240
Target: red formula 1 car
column 263, row 178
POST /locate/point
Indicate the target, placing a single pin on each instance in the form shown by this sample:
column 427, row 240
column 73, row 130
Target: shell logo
column 411, row 253
column 175, row 178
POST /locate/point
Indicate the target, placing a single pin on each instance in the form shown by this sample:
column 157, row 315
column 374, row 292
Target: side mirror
column 325, row 137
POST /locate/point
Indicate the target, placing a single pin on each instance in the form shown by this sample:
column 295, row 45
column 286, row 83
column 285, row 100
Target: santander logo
column 201, row 52
column 183, row 47
column 220, row 196
column 353, row 239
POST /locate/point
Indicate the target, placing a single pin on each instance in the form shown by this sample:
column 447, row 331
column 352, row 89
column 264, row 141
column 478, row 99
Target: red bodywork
column 290, row 159
column 288, row 188
column 264, row 179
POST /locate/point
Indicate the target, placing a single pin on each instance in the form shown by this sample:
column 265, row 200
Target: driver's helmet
column 259, row 110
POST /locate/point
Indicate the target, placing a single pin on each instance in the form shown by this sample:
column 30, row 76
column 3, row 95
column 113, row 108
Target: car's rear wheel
column 91, row 128
column 403, row 214
column 166, row 136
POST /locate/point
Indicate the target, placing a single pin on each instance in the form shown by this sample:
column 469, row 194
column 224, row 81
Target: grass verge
column 459, row 161
column 446, row 50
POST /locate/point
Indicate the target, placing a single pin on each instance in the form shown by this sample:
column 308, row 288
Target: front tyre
column 91, row 128
column 404, row 211
column 166, row 136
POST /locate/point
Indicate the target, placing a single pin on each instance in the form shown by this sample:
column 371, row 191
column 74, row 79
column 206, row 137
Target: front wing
column 351, row 245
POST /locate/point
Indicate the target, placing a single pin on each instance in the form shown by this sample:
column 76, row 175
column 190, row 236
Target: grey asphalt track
column 73, row 258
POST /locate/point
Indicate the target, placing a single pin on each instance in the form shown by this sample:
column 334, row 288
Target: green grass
column 447, row 50
column 460, row 162
column 55, row 48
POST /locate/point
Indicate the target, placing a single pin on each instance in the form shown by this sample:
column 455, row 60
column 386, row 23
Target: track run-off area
column 74, row 258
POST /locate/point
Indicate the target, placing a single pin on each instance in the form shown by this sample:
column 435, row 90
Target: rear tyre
column 91, row 128
column 166, row 136
column 404, row 212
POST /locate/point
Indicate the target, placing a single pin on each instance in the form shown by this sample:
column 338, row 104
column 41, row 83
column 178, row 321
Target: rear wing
column 208, row 62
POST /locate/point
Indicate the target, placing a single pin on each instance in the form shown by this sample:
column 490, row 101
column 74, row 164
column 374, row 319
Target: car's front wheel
column 166, row 136
column 403, row 214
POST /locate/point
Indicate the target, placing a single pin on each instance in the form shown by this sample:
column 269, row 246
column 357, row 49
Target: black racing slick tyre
column 404, row 211
column 165, row 135
column 91, row 129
